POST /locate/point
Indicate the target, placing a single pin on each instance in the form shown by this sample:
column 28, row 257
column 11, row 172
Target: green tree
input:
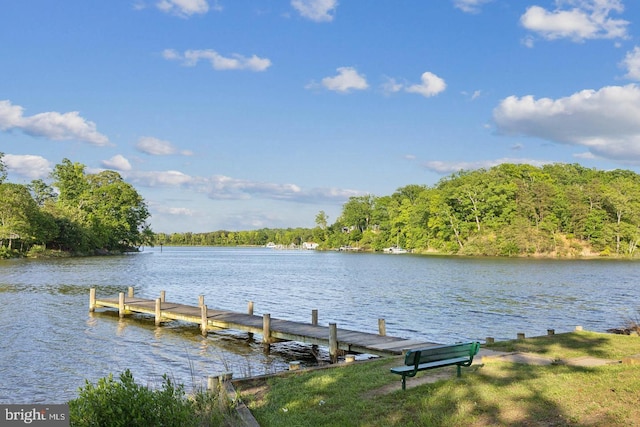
column 41, row 192
column 357, row 212
column 18, row 215
column 3, row 169
column 71, row 182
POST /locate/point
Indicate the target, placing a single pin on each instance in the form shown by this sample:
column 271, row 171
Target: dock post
column 158, row 311
column 163, row 295
column 382, row 327
column 130, row 292
column 520, row 335
column 333, row 342
column 200, row 300
column 121, row 304
column 266, row 328
column 204, row 322
column 314, row 317
column 250, row 308
column 92, row 300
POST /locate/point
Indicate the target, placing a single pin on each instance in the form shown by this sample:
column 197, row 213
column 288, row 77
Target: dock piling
column 204, row 320
column 163, row 295
column 250, row 308
column 266, row 328
column 158, row 311
column 382, row 327
column 130, row 292
column 92, row 300
column 314, row 317
column 121, row 304
column 333, row 342
column 200, row 300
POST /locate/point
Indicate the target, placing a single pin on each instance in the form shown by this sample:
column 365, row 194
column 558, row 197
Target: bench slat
column 424, row 366
column 430, row 354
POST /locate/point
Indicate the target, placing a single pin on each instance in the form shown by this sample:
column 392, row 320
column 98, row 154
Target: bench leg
column 404, row 382
column 459, row 374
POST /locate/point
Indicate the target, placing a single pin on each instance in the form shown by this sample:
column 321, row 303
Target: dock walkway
column 271, row 329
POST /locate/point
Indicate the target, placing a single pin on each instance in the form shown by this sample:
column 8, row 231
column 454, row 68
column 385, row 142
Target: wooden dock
column 271, row 330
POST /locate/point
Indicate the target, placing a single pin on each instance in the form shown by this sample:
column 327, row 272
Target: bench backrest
column 441, row 352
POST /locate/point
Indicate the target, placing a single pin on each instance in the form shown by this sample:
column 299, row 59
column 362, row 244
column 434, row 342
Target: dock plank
column 280, row 329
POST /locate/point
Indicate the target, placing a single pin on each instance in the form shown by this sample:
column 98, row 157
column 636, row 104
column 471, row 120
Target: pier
column 271, row 329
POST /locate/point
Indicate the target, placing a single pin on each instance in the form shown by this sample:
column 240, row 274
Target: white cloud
column 29, row 166
column 51, row 125
column 446, row 168
column 183, row 8
column 161, row 178
column 218, row 62
column 316, row 10
column 584, row 19
column 632, row 63
column 470, row 6
column 391, row 86
column 117, row 162
column 174, row 211
column 431, row 85
column 221, row 187
column 224, row 187
column 155, row 146
column 347, row 80
column 606, row 121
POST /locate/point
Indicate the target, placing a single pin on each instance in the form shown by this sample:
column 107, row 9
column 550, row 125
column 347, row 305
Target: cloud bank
column 51, row 125
column 316, row 10
column 583, row 20
column 190, row 58
column 605, row 121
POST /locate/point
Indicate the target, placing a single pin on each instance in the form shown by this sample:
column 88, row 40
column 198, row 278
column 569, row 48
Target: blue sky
column 243, row 114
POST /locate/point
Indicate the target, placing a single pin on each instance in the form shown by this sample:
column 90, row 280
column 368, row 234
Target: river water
column 50, row 343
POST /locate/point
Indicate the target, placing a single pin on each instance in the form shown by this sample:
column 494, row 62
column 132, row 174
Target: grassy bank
column 495, row 392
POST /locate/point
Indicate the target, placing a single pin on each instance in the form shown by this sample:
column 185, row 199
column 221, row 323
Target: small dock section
column 271, row 330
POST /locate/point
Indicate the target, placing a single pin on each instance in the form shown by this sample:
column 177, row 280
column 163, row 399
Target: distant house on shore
column 310, row 245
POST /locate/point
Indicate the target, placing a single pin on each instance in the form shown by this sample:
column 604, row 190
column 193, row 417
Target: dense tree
column 41, row 192
column 88, row 212
column 3, row 169
column 18, row 215
column 510, row 209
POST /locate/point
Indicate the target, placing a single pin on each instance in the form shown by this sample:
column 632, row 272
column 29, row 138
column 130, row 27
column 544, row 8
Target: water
column 50, row 343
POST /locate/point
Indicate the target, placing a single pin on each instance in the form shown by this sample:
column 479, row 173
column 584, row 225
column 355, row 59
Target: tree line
column 78, row 212
column 508, row 210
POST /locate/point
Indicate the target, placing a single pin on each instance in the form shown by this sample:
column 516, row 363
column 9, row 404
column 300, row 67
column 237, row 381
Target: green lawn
column 495, row 393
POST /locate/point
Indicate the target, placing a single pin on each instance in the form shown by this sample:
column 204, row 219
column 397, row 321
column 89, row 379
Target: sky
column 244, row 114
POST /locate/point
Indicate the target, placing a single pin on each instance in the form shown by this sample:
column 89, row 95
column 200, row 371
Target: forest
column 79, row 214
column 557, row 210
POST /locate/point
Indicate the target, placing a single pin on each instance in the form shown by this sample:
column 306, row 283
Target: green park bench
column 460, row 354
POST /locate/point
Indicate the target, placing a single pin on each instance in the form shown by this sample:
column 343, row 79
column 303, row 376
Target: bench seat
column 430, row 365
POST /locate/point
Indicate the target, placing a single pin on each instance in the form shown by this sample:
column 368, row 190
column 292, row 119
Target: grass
column 576, row 344
column 494, row 393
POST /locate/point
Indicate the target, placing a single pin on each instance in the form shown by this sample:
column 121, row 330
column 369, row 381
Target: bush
column 111, row 403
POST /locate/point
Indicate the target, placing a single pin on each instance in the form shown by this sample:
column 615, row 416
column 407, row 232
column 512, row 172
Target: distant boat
column 395, row 250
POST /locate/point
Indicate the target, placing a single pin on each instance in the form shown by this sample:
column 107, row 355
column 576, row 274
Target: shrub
column 111, row 403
